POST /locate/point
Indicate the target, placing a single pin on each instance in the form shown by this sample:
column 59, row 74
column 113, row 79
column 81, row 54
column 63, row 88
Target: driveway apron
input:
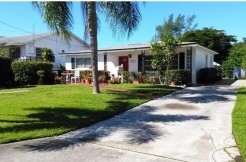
column 193, row 124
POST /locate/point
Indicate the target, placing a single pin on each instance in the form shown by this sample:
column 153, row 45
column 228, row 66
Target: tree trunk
column 92, row 23
column 160, row 76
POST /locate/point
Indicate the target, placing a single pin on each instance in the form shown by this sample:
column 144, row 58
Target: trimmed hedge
column 6, row 73
column 181, row 77
column 26, row 72
column 207, row 75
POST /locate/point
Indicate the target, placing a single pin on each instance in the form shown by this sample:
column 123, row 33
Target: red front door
column 124, row 60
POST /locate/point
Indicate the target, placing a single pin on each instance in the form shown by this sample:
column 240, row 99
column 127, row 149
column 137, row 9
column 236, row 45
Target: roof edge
column 143, row 47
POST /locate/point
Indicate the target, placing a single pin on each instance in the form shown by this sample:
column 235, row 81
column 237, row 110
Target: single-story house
column 29, row 47
column 137, row 58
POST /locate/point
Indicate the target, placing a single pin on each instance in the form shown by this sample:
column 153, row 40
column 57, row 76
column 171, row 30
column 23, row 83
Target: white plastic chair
column 76, row 77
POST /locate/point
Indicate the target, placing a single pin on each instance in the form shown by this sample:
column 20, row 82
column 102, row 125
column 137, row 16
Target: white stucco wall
column 57, row 44
column 193, row 69
column 101, row 62
column 68, row 64
column 200, row 60
column 113, row 61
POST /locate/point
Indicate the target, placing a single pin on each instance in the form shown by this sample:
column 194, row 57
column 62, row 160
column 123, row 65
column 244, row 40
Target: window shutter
column 73, row 63
column 139, row 63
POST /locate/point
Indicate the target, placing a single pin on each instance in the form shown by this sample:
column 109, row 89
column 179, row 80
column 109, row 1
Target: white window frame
column 83, row 64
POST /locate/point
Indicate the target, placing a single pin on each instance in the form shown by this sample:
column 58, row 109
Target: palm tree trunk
column 92, row 23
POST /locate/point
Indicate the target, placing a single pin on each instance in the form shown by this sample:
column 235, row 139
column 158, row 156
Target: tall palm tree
column 123, row 18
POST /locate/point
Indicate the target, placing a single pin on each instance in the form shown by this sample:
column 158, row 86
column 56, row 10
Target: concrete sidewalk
column 193, row 124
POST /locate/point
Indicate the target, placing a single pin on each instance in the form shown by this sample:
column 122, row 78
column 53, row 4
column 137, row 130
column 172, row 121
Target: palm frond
column 84, row 11
column 57, row 15
column 123, row 17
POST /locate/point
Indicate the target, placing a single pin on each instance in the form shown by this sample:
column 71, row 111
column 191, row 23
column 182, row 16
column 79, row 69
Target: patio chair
column 76, row 77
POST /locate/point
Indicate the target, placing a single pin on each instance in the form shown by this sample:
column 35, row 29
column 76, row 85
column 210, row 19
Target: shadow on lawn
column 137, row 124
column 66, row 118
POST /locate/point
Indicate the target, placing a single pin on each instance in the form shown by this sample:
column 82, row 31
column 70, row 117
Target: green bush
column 126, row 77
column 207, row 75
column 142, row 77
column 48, row 55
column 6, row 73
column 219, row 73
column 181, row 77
column 149, row 78
column 85, row 73
column 26, row 72
column 103, row 75
column 88, row 73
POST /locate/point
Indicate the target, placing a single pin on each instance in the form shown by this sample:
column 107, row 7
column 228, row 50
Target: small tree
column 48, row 55
column 235, row 59
column 4, row 52
column 163, row 53
column 213, row 39
column 175, row 26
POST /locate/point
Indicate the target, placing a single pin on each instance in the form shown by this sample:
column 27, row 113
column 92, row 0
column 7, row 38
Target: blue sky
column 228, row 16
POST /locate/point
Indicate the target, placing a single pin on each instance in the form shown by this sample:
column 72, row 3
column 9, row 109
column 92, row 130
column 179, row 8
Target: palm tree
column 123, row 18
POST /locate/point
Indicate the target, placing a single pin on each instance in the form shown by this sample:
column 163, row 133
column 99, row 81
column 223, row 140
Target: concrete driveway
column 193, row 124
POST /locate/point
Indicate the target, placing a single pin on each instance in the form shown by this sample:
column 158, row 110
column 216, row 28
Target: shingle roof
column 24, row 39
column 21, row 40
column 139, row 46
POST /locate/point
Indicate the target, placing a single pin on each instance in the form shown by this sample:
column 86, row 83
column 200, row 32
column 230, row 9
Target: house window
column 175, row 62
column 182, row 60
column 38, row 51
column 148, row 59
column 14, row 52
column 83, row 62
column 147, row 63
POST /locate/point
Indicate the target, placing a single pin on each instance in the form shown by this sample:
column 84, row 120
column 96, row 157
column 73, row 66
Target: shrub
column 6, row 73
column 85, row 74
column 181, row 77
column 219, row 73
column 40, row 74
column 207, row 75
column 142, row 77
column 114, row 80
column 149, row 78
column 26, row 72
column 126, row 77
column 102, row 75
column 48, row 55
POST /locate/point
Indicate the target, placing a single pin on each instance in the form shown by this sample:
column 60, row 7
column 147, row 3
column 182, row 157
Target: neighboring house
column 29, row 47
column 137, row 58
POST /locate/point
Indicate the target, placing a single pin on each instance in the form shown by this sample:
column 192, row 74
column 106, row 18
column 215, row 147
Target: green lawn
column 239, row 121
column 55, row 109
